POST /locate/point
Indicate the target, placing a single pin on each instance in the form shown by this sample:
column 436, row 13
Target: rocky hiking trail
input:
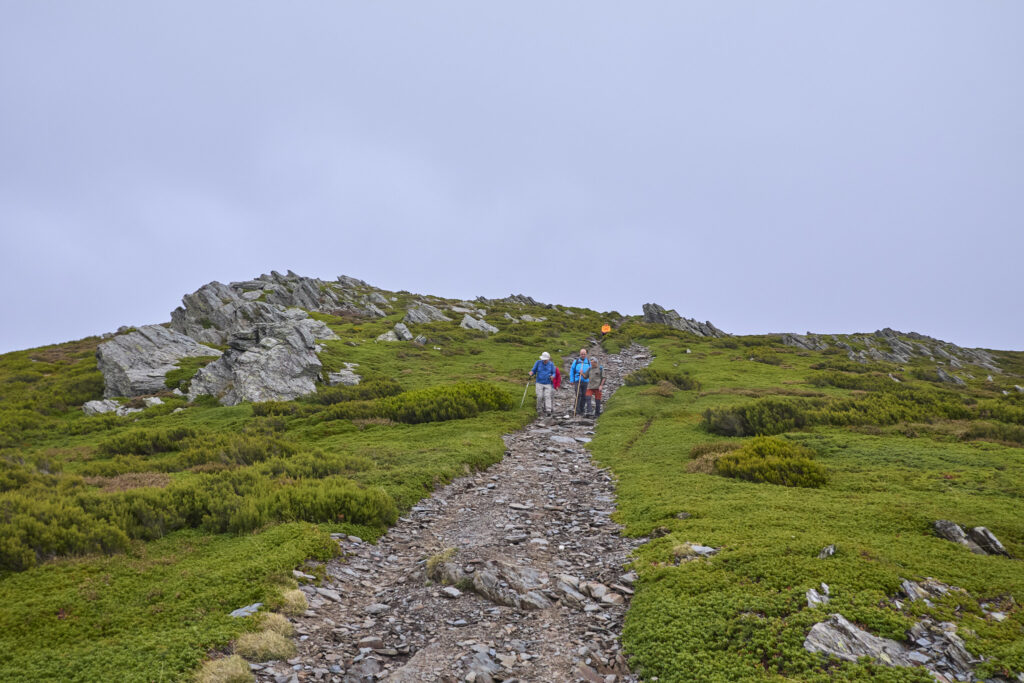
column 515, row 573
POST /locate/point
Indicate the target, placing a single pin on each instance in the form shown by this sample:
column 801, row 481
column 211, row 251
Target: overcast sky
column 767, row 166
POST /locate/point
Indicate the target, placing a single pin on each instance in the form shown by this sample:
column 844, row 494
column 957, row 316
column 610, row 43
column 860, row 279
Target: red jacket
column 557, row 381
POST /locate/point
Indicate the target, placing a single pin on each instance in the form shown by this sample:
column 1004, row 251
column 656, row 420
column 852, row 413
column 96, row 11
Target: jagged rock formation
column 136, row 363
column 216, row 312
column 838, row 637
column 423, row 313
column 277, row 364
column 978, row 540
column 653, row 313
column 515, row 299
column 811, row 342
column 471, row 323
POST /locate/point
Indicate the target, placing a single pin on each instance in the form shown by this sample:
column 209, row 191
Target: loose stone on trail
column 513, row 573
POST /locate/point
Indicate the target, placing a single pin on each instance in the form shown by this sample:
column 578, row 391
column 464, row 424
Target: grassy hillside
column 125, row 541
column 896, row 457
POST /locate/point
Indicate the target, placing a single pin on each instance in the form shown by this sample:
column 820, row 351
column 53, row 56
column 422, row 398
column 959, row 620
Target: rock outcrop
column 514, row 299
column 978, row 540
column 653, row 313
column 136, row 363
column 838, row 637
column 216, row 313
column 277, row 363
column 424, row 313
column 811, row 342
column 471, row 323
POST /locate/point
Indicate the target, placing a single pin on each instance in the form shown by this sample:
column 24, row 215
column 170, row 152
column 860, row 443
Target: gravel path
column 511, row 574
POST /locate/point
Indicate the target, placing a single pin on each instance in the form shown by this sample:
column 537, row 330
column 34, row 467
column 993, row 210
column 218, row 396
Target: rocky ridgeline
column 512, row 574
column 653, row 313
column 899, row 347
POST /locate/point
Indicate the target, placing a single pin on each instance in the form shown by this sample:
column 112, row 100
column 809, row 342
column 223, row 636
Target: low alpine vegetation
column 772, row 461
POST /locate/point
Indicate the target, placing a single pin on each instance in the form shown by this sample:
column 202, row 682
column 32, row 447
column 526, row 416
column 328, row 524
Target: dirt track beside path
column 511, row 574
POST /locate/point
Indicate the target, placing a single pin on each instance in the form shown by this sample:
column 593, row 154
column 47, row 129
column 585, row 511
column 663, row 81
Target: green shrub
column 315, row 465
column 146, row 441
column 844, row 365
column 763, row 417
column 680, row 380
column 772, row 461
column 1002, row 410
column 372, row 389
column 234, row 449
column 433, row 404
column 283, row 408
column 986, row 431
column 37, row 524
column 842, row 380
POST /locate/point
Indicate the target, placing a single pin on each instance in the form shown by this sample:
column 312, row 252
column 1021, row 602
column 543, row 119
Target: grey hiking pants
column 545, row 392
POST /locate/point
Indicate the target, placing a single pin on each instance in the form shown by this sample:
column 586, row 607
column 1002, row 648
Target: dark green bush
column 680, row 380
column 316, row 465
column 434, row 404
column 762, row 417
column 234, row 449
column 283, row 408
column 365, row 391
column 1002, row 410
column 146, row 441
column 36, row 525
column 772, row 461
column 845, row 365
column 842, row 380
column 986, row 431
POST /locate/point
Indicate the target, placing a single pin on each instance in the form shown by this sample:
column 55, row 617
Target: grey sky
column 768, row 166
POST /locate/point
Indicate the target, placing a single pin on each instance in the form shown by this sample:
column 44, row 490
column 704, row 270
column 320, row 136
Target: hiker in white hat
column 544, row 371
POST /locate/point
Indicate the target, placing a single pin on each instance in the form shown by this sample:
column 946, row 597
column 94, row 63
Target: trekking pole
column 577, row 401
column 523, row 402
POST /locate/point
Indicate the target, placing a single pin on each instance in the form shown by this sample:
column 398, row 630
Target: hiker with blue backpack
column 544, row 371
column 579, row 379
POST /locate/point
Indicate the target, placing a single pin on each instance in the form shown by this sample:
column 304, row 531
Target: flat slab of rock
column 839, row 638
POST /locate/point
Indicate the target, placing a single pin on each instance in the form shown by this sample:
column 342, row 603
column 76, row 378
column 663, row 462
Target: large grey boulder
column 838, row 637
column 471, row 323
column 262, row 368
column 136, row 363
column 424, row 313
column 402, row 332
column 653, row 313
column 987, row 541
column 978, row 540
column 951, row 531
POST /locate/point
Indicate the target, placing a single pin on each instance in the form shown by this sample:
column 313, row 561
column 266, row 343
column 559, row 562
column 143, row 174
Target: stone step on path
column 515, row 573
